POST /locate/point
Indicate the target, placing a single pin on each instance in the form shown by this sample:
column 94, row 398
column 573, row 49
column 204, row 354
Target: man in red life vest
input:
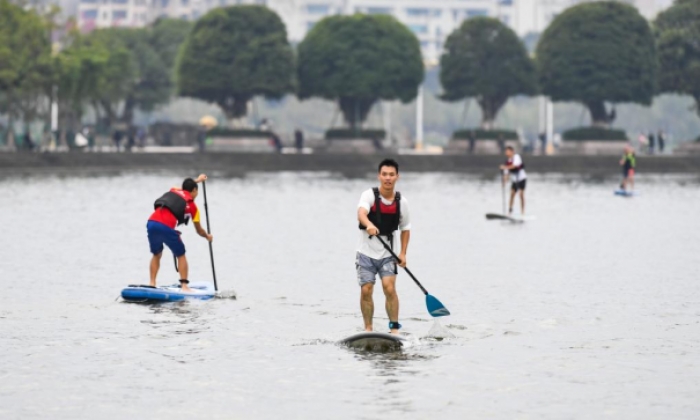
column 176, row 207
column 518, row 178
column 381, row 212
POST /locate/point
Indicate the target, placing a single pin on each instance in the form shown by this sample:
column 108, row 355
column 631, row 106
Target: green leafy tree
column 233, row 54
column 598, row 52
column 136, row 76
column 357, row 60
column 25, row 60
column 80, row 70
column 677, row 33
column 485, row 60
column 166, row 36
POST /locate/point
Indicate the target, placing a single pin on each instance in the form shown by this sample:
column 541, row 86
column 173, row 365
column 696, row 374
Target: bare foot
column 368, row 329
column 396, row 332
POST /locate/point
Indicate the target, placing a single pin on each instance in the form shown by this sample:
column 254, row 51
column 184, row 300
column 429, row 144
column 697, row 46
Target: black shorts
column 520, row 185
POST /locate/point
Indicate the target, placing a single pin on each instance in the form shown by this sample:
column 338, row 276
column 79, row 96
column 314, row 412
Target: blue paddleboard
column 625, row 193
column 173, row 293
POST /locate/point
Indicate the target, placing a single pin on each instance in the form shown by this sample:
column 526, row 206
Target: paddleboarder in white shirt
column 381, row 211
column 518, row 178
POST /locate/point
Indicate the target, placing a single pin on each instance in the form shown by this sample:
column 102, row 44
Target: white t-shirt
column 520, row 175
column 371, row 247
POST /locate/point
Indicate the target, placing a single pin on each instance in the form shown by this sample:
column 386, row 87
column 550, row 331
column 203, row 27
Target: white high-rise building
column 431, row 20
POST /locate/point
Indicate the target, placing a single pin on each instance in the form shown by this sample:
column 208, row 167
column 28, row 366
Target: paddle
column 435, row 307
column 211, row 251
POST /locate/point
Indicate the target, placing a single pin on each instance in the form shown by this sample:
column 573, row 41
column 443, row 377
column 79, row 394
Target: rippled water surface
column 590, row 311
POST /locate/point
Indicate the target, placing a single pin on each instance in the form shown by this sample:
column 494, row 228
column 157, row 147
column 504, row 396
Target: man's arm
column 201, row 232
column 405, row 238
column 364, row 221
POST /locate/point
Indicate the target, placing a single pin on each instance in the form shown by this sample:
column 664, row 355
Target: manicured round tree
column 677, row 32
column 357, row 60
column 485, row 60
column 233, row 54
column 598, row 52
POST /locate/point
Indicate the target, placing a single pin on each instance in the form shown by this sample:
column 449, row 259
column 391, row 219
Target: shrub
column 594, row 133
column 480, row 134
column 239, row 132
column 349, row 133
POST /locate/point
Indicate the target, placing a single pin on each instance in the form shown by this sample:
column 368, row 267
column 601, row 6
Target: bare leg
column 367, row 305
column 522, row 201
column 184, row 271
column 512, row 198
column 392, row 300
column 155, row 266
column 630, row 180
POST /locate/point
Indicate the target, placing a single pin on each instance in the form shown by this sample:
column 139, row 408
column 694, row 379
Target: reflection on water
column 589, row 311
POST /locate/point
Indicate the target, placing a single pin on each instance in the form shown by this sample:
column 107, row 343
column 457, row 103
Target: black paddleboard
column 373, row 341
column 496, row 216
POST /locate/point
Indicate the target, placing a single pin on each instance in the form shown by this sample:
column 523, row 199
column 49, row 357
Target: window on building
column 425, row 44
column 184, row 17
column 317, row 9
column 505, row 2
column 310, row 25
column 90, row 14
column 477, row 12
column 120, row 1
column 88, row 1
column 419, row 29
column 379, row 10
column 119, row 14
column 222, row 2
column 164, row 3
column 140, row 2
column 505, row 19
column 423, row 12
column 415, row 12
column 185, row 2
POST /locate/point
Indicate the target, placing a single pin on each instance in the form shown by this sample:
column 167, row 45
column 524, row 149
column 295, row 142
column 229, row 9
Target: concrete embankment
column 234, row 164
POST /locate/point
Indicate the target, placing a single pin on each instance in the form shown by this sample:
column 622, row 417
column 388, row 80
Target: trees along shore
column 597, row 54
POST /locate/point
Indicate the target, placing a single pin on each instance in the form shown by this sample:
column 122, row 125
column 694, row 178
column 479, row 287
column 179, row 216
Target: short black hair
column 388, row 162
column 510, row 147
column 189, row 185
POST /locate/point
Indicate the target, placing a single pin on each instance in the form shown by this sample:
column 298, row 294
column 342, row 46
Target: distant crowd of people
column 652, row 143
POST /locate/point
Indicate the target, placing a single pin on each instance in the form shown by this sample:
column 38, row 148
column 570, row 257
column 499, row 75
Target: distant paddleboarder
column 381, row 211
column 518, row 178
column 628, row 164
column 176, row 207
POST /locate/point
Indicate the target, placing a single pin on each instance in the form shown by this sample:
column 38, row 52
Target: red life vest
column 176, row 201
column 385, row 217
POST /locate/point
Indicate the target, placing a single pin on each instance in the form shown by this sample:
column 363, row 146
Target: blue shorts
column 159, row 234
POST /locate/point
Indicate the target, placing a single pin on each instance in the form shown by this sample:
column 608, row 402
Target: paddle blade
column 435, row 307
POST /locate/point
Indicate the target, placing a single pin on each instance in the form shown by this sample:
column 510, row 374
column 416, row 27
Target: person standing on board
column 176, row 207
column 518, row 178
column 381, row 212
column 628, row 163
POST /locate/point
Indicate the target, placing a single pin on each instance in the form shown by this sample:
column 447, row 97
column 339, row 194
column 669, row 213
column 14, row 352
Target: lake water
column 590, row 311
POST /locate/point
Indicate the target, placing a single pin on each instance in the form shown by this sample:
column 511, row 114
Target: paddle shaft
column 503, row 191
column 388, row 248
column 211, row 250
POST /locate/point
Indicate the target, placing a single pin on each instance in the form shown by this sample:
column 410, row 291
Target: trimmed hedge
column 593, row 134
column 480, row 134
column 239, row 132
column 349, row 133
